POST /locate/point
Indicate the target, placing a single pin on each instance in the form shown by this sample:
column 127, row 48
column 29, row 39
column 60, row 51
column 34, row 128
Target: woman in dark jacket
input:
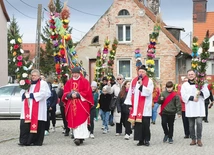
column 51, row 109
column 124, row 110
column 62, row 110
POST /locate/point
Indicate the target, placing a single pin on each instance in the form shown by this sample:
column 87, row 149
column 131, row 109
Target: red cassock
column 77, row 111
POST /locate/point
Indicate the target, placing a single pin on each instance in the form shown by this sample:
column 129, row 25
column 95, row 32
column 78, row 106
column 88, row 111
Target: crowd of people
column 129, row 105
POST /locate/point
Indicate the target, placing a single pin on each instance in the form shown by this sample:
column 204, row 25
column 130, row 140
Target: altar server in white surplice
column 194, row 104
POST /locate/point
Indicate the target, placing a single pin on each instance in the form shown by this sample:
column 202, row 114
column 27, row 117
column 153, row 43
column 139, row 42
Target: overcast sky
column 84, row 14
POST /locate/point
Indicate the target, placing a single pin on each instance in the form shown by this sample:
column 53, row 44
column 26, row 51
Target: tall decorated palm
column 111, row 57
column 105, row 60
column 105, row 53
column 13, row 32
column 202, row 62
column 65, row 57
column 20, row 62
column 46, row 55
column 194, row 62
column 98, row 69
column 153, row 40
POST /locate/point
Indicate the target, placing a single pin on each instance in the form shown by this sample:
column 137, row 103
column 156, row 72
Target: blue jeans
column 111, row 117
column 105, row 117
column 154, row 112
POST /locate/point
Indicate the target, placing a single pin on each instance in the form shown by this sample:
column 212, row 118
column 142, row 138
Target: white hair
column 35, row 71
column 120, row 75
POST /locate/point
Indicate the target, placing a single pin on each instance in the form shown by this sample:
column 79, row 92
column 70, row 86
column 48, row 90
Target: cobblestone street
column 57, row 144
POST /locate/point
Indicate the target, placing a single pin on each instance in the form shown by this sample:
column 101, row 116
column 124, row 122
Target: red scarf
column 141, row 101
column 35, row 111
column 167, row 100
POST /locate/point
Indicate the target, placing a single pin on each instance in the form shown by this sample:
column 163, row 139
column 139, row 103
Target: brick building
column 131, row 22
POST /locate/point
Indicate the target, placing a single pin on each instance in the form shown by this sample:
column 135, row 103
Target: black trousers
column 185, row 124
column 47, row 123
column 124, row 122
column 51, row 115
column 65, row 123
column 92, row 116
column 28, row 138
column 167, row 122
column 206, row 111
column 142, row 130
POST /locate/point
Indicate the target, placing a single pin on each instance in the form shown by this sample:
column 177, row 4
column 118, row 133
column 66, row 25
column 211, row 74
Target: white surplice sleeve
column 44, row 92
column 186, row 92
column 205, row 91
column 147, row 91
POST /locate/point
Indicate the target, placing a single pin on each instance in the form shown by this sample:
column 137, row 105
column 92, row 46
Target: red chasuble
column 141, row 101
column 77, row 111
column 34, row 112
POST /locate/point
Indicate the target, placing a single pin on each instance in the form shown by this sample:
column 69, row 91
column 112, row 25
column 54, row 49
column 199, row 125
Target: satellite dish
column 141, row 12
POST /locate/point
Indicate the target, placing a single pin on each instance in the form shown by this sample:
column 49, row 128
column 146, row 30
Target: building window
column 95, row 40
column 124, row 33
column 124, row 68
column 157, row 68
column 123, row 12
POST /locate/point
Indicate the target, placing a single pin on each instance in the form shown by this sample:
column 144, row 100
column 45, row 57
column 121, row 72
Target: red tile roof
column 200, row 29
column 183, row 46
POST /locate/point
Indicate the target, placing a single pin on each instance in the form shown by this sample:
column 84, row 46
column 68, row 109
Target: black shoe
column 77, row 142
column 165, row 138
column 170, row 141
column 147, row 143
column 66, row 134
column 153, row 123
column 186, row 136
column 140, row 143
column 21, row 144
column 206, row 121
column 112, row 124
column 81, row 141
column 72, row 136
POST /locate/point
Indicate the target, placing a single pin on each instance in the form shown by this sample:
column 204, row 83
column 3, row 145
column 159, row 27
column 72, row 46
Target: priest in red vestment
column 78, row 101
column 140, row 98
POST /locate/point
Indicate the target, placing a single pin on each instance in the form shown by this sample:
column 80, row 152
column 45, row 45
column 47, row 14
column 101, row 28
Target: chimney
column 153, row 6
column 199, row 11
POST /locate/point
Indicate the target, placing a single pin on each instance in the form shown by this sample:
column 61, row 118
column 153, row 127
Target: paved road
column 107, row 144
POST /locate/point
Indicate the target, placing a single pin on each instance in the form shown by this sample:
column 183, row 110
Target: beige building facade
column 4, row 18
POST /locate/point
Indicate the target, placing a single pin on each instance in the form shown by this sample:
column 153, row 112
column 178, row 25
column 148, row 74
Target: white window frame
column 156, row 59
column 123, row 59
column 124, row 33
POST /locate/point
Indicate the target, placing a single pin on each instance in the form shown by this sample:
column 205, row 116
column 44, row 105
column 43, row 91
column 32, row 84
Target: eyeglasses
column 119, row 78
